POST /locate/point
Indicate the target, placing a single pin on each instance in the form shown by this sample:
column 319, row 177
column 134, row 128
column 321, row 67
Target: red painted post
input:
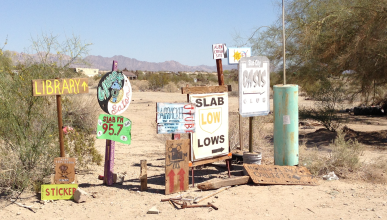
column 109, row 152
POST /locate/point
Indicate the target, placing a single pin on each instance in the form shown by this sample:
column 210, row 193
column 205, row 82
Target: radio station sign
column 44, row 87
column 114, row 93
column 219, row 51
column 211, row 136
column 175, row 118
column 115, row 128
column 254, row 86
column 59, row 191
column 235, row 54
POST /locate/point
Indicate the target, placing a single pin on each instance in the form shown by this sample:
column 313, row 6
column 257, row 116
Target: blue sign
column 175, row 118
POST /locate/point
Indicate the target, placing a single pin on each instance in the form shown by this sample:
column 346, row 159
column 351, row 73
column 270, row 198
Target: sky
column 153, row 31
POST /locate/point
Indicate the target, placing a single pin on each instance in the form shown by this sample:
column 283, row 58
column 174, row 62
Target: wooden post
column 60, row 125
column 240, row 133
column 143, row 176
column 219, row 69
column 109, row 152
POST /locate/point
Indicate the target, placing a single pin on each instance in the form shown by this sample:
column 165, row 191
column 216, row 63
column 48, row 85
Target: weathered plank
column 205, row 89
column 211, row 160
column 176, row 165
column 143, row 176
column 280, row 175
column 44, row 87
column 218, row 183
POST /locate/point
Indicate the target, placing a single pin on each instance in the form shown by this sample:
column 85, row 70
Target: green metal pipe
column 285, row 125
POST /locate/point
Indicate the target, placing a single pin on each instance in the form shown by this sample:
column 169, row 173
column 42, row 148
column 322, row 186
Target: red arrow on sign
column 171, row 180
column 181, row 178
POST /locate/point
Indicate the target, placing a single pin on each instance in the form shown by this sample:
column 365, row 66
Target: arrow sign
column 217, row 150
column 84, row 84
column 181, row 178
column 171, row 180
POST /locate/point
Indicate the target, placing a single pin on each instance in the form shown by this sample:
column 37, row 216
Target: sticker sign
column 235, row 54
column 175, row 118
column 254, row 86
column 115, row 128
column 176, row 166
column 284, row 175
column 58, row 191
column 114, row 93
column 211, row 119
column 219, row 51
column 64, row 170
column 44, row 87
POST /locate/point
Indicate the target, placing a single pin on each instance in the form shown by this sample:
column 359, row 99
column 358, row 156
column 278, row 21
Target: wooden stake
column 60, row 125
column 143, row 176
column 219, row 69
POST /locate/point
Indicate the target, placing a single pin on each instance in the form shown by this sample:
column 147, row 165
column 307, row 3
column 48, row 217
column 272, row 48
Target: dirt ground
column 340, row 199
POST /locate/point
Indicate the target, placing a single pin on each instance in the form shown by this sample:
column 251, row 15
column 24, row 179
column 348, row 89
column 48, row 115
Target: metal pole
column 60, row 124
column 251, row 134
column 283, row 38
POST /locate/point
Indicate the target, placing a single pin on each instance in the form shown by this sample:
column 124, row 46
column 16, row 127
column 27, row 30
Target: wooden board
column 174, row 118
column 211, row 160
column 58, row 191
column 218, row 183
column 44, row 87
column 280, row 175
column 205, row 89
column 64, row 170
column 176, row 165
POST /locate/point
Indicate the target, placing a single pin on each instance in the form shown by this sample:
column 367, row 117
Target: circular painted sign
column 114, row 93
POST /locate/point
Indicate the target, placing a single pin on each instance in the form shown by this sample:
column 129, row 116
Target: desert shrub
column 158, row 81
column 170, row 87
column 139, row 85
column 376, row 170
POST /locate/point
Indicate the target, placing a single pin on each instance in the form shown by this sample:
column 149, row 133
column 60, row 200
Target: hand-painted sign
column 115, row 128
column 254, row 86
column 284, row 175
column 176, row 166
column 114, row 93
column 175, row 118
column 44, row 87
column 235, row 54
column 64, row 170
column 219, row 51
column 211, row 119
column 58, row 191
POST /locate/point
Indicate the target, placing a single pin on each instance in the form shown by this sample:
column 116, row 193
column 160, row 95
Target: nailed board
column 176, row 165
column 44, row 87
column 175, row 118
column 58, row 191
column 115, row 128
column 64, row 170
column 280, row 175
column 205, row 89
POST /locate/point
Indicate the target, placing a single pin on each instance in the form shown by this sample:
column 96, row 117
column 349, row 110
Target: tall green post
column 286, row 125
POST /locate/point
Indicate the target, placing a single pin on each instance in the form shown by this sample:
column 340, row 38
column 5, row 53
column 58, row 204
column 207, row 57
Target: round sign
column 114, row 93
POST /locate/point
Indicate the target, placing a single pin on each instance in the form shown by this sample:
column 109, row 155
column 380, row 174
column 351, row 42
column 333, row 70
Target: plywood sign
column 211, row 136
column 175, row 118
column 64, row 170
column 176, row 165
column 44, row 87
column 115, row 128
column 58, row 191
column 281, row 175
column 114, row 93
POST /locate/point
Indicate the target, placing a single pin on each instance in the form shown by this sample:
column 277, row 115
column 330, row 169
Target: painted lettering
column 56, row 85
column 48, row 85
column 36, row 88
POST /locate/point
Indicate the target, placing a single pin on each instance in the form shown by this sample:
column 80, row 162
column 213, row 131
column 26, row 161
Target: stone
column 80, row 196
column 153, row 210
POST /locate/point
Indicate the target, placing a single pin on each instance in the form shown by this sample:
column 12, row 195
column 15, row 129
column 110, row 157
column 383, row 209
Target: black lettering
column 205, row 104
column 199, row 145
column 213, row 101
column 221, row 139
column 199, row 103
column 220, row 101
column 215, row 140
column 207, row 141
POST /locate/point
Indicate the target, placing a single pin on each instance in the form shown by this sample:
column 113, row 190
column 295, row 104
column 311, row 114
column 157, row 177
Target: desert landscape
column 361, row 195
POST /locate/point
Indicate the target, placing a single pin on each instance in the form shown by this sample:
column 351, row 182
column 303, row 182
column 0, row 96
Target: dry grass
column 170, row 87
column 139, row 85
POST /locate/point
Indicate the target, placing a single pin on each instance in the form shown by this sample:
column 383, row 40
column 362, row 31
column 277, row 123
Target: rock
column 153, row 210
column 80, row 196
column 330, row 176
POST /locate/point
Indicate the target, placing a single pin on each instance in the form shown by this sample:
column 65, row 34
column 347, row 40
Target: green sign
column 58, row 191
column 115, row 128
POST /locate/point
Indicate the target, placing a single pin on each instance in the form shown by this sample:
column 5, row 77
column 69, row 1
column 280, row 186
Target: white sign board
column 254, row 86
column 211, row 119
column 235, row 54
column 219, row 51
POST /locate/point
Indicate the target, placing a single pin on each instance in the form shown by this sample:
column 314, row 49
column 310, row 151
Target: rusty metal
column 166, row 200
column 198, row 206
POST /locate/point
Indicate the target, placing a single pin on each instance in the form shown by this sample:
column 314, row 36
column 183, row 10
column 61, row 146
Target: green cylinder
column 285, row 125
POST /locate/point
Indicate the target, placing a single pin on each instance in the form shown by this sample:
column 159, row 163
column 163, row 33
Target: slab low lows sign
column 175, row 118
column 211, row 136
column 254, row 86
column 44, row 87
column 58, row 191
column 115, row 128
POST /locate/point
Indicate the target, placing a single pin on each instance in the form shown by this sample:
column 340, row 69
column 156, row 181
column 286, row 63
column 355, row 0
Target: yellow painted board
column 44, row 87
column 58, row 191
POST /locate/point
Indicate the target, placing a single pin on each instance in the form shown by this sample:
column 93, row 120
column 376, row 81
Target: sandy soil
column 342, row 199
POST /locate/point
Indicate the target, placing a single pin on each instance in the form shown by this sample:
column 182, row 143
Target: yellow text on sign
column 211, row 117
column 59, row 86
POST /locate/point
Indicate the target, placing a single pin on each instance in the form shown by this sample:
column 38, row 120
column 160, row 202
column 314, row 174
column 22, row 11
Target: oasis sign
column 254, row 86
column 211, row 119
